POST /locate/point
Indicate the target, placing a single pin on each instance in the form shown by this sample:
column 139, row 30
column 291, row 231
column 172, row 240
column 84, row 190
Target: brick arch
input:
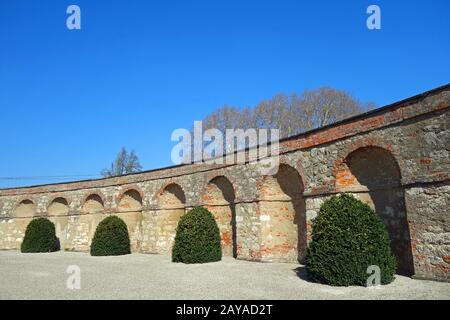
column 93, row 209
column 130, row 199
column 171, row 196
column 130, row 188
column 58, row 206
column 58, row 209
column 24, row 208
column 297, row 165
column 171, row 203
column 220, row 173
column 219, row 197
column 225, row 185
column 57, row 196
column 388, row 170
column 263, row 180
column 129, row 209
column 91, row 193
column 93, row 202
column 363, row 143
column 282, row 213
column 234, row 180
column 373, row 175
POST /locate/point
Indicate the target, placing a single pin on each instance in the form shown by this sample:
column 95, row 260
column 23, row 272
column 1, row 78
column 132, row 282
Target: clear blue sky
column 140, row 69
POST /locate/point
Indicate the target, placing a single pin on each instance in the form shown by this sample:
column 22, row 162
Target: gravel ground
column 140, row 276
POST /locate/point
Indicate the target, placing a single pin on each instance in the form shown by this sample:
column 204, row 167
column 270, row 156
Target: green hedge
column 40, row 236
column 197, row 239
column 111, row 238
column 347, row 238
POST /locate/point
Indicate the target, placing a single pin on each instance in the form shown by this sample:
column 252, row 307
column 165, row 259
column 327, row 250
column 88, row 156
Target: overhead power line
column 51, row 177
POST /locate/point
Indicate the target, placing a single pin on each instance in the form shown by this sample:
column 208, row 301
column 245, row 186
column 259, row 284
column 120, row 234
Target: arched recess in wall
column 58, row 207
column 130, row 210
column 25, row 209
column 58, row 211
column 93, row 204
column 93, row 209
column 219, row 198
column 171, row 206
column 23, row 213
column 373, row 175
column 283, row 216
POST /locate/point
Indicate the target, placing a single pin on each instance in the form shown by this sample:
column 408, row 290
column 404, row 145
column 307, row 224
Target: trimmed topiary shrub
column 347, row 238
column 197, row 239
column 40, row 236
column 111, row 238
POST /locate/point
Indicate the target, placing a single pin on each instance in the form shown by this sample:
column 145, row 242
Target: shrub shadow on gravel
column 302, row 273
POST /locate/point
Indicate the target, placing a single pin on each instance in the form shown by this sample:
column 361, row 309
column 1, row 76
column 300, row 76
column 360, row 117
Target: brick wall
column 408, row 141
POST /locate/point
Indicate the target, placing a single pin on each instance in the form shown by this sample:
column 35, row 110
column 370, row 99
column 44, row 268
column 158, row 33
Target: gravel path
column 141, row 276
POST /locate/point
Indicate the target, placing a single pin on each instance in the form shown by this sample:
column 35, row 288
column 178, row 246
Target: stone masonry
column 395, row 158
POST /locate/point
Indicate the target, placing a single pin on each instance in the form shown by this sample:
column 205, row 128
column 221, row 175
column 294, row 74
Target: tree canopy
column 291, row 114
column 125, row 163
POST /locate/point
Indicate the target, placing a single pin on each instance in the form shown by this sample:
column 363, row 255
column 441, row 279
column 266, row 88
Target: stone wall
column 395, row 158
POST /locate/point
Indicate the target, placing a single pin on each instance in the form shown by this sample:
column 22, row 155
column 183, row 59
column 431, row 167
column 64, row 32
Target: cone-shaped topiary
column 111, row 238
column 197, row 239
column 347, row 238
column 40, row 236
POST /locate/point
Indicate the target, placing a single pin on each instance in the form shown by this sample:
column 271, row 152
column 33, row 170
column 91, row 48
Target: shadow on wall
column 292, row 185
column 219, row 198
column 57, row 244
column 375, row 178
column 172, row 206
column 130, row 211
column 283, row 216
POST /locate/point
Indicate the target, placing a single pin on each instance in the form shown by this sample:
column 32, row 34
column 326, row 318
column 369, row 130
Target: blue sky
column 137, row 70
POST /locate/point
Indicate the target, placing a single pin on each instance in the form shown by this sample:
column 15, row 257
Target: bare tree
column 327, row 105
column 291, row 114
column 228, row 117
column 125, row 163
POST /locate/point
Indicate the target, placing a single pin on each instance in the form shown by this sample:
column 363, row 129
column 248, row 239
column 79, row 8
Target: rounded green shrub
column 197, row 239
column 111, row 238
column 40, row 236
column 347, row 238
